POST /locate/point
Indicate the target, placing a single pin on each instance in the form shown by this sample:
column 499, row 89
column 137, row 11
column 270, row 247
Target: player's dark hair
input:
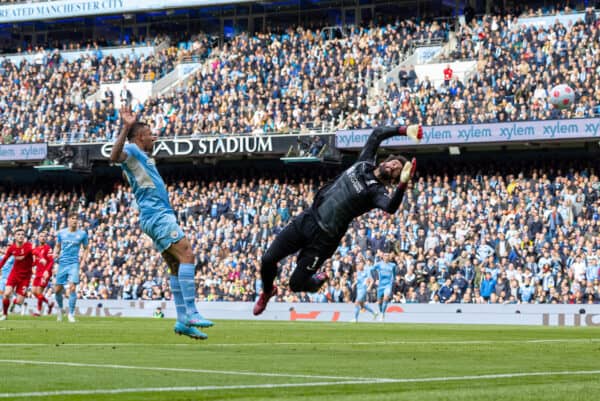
column 400, row 158
column 390, row 158
column 19, row 229
column 72, row 213
column 135, row 129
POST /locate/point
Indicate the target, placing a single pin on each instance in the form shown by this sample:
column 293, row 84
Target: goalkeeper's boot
column 263, row 300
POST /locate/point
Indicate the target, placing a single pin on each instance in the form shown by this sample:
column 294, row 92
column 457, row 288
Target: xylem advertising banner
column 20, row 152
column 465, row 134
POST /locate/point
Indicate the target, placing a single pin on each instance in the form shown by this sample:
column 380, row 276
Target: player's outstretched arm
column 128, row 119
column 381, row 134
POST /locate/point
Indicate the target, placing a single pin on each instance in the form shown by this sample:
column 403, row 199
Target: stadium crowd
column 46, row 100
column 295, row 81
column 491, row 237
column 516, row 65
column 302, row 79
column 265, row 83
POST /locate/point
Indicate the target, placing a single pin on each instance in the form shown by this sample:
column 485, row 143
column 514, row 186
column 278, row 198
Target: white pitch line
column 457, row 342
column 184, row 370
column 172, row 389
column 284, row 385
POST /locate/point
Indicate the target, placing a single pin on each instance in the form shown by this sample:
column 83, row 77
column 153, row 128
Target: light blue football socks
column 59, row 299
column 72, row 301
column 178, row 298
column 188, row 287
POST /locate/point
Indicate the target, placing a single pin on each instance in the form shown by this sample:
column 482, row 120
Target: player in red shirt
column 43, row 261
column 19, row 277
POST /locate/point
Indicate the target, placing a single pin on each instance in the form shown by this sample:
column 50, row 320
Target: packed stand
column 46, row 101
column 516, row 67
column 295, row 81
column 301, row 80
column 105, row 67
column 461, row 238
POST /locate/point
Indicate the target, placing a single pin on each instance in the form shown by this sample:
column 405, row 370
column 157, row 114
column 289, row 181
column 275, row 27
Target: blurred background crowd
column 299, row 79
column 519, row 232
column 495, row 236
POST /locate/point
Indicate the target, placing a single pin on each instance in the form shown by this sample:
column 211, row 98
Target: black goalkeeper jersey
column 356, row 190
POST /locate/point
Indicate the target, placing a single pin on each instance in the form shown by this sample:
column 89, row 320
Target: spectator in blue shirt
column 488, row 285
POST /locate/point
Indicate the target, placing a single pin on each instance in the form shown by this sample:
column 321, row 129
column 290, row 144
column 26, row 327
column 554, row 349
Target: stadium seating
column 46, row 101
column 281, row 82
column 516, row 66
column 266, row 83
column 538, row 226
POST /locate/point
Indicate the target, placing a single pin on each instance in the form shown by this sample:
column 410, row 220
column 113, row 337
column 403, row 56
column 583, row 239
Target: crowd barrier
column 514, row 314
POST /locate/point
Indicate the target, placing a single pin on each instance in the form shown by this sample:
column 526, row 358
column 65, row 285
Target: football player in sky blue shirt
column 158, row 220
column 68, row 242
column 4, row 272
column 387, row 272
column 363, row 283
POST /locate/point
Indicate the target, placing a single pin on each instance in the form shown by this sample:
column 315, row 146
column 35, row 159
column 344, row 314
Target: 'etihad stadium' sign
column 208, row 146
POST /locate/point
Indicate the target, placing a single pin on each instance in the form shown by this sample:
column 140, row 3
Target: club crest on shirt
column 174, row 234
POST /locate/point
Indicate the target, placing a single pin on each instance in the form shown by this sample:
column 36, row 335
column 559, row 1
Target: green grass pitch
column 141, row 359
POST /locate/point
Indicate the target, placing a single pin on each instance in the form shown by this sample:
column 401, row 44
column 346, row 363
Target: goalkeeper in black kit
column 317, row 232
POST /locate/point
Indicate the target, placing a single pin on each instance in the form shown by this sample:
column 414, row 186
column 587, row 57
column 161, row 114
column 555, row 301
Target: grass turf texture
column 295, row 361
